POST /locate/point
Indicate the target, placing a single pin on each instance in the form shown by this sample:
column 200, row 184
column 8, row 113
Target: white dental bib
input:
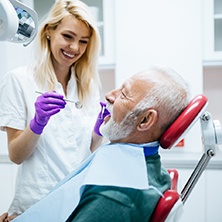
column 121, row 165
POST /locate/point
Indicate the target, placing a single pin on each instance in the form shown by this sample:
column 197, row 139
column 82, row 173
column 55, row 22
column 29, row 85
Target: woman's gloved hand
column 102, row 114
column 46, row 105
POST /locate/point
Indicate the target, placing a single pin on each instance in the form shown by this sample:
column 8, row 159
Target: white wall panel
column 161, row 32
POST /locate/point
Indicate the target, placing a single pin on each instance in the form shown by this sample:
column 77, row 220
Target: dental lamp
column 18, row 22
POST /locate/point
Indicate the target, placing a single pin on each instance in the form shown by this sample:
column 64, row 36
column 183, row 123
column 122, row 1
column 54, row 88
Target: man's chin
column 112, row 131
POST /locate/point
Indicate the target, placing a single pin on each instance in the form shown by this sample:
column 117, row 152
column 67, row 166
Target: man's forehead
column 137, row 86
column 139, row 78
column 147, row 77
column 148, row 74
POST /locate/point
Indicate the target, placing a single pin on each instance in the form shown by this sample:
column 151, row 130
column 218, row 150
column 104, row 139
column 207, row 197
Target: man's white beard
column 113, row 131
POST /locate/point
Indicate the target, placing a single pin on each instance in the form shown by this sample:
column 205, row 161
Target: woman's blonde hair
column 85, row 68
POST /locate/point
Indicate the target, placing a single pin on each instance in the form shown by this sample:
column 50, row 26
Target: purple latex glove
column 102, row 114
column 46, row 105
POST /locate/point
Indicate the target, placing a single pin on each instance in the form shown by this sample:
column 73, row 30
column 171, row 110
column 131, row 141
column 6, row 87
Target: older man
column 122, row 180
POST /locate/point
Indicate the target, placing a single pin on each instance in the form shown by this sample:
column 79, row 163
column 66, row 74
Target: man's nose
column 111, row 96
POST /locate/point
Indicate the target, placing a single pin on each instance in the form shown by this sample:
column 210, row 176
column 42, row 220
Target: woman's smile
column 68, row 55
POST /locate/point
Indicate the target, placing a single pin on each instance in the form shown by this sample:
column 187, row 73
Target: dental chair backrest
column 170, row 202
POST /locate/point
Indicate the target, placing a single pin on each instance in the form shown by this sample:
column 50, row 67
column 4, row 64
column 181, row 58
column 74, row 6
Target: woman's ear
column 47, row 30
column 147, row 120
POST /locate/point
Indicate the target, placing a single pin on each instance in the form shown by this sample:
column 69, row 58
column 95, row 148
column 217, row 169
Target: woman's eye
column 84, row 42
column 67, row 36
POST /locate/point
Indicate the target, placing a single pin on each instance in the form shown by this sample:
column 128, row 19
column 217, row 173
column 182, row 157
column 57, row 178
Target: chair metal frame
column 211, row 136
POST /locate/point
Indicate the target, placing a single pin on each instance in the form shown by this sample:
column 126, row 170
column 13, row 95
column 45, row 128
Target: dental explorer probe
column 78, row 104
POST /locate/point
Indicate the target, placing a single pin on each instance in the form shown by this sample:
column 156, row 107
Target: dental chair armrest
column 164, row 206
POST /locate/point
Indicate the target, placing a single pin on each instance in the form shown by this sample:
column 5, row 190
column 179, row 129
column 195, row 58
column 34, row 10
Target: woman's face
column 68, row 41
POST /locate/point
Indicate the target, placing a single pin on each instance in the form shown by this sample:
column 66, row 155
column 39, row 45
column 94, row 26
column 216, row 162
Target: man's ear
column 147, row 120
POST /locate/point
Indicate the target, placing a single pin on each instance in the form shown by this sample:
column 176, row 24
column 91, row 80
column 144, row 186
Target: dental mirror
column 77, row 103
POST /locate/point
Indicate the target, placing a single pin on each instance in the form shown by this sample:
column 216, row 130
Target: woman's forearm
column 96, row 142
column 21, row 144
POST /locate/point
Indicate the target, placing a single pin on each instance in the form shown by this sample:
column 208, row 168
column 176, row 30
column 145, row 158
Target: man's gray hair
column 169, row 96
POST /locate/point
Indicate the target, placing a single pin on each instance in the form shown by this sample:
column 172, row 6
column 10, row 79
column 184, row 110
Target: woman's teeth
column 69, row 55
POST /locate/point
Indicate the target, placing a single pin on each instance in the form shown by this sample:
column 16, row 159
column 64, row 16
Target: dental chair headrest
column 184, row 122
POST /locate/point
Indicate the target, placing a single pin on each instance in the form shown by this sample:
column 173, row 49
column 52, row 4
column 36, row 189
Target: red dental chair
column 169, row 207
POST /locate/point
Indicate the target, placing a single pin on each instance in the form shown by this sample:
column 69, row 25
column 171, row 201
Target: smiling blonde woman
column 47, row 136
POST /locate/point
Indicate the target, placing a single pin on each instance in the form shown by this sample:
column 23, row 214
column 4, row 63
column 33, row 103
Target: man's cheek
column 118, row 117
